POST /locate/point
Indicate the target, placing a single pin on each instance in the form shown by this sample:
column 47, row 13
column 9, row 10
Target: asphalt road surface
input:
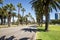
column 18, row 33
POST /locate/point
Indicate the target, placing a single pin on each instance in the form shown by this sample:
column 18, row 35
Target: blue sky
column 27, row 6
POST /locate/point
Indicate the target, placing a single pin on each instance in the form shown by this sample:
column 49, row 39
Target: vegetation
column 53, row 34
column 44, row 7
column 23, row 10
column 55, row 22
column 19, row 8
column 7, row 12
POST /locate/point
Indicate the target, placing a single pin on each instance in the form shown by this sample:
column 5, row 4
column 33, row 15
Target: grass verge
column 53, row 34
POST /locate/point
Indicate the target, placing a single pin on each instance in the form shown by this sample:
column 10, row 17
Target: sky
column 27, row 6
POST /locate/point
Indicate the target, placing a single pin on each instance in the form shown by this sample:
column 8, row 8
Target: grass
column 53, row 34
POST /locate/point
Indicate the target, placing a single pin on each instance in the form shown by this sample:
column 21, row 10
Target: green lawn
column 53, row 34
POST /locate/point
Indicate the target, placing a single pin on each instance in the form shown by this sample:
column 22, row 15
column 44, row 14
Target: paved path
column 18, row 33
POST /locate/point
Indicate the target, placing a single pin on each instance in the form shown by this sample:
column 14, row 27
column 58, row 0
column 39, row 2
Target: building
column 57, row 16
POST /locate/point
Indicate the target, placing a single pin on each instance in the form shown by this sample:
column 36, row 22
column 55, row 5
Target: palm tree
column 1, row 2
column 19, row 7
column 26, row 19
column 1, row 16
column 38, row 11
column 5, row 15
column 47, row 6
column 23, row 10
column 10, row 7
column 13, row 15
column 29, row 15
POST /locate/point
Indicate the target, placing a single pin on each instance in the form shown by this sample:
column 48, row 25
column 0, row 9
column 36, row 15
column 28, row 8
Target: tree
column 26, row 19
column 19, row 7
column 47, row 6
column 23, row 10
column 37, row 5
column 1, row 2
column 5, row 15
column 1, row 16
column 32, row 19
column 13, row 15
column 10, row 8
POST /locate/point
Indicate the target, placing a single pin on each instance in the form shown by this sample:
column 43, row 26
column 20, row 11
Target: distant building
column 57, row 16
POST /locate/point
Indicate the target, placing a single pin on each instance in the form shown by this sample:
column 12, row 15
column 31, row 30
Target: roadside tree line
column 8, row 11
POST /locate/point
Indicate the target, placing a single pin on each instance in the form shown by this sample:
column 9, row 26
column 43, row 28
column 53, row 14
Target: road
column 18, row 33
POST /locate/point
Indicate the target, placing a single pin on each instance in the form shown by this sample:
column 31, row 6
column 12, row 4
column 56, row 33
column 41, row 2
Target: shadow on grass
column 40, row 30
column 10, row 38
column 38, row 39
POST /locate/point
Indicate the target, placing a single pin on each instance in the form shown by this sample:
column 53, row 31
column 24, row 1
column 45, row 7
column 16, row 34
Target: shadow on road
column 3, row 37
column 24, row 39
column 29, row 29
column 32, row 29
column 10, row 38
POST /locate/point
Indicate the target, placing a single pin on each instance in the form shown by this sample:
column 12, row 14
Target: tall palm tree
column 38, row 11
column 23, row 10
column 54, row 4
column 29, row 15
column 26, row 19
column 10, row 8
column 13, row 15
column 19, row 7
column 1, row 2
column 5, row 15
column 47, row 5
column 1, row 16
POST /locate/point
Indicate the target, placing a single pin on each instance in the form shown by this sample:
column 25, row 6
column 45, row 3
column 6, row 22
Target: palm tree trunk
column 8, row 22
column 9, row 19
column 26, row 21
column 1, row 21
column 47, row 19
column 22, row 18
column 13, row 20
column 4, row 21
column 18, row 16
column 39, row 22
column 21, row 21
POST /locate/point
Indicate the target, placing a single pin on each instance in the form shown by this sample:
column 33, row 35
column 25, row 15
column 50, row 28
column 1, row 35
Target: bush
column 55, row 21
